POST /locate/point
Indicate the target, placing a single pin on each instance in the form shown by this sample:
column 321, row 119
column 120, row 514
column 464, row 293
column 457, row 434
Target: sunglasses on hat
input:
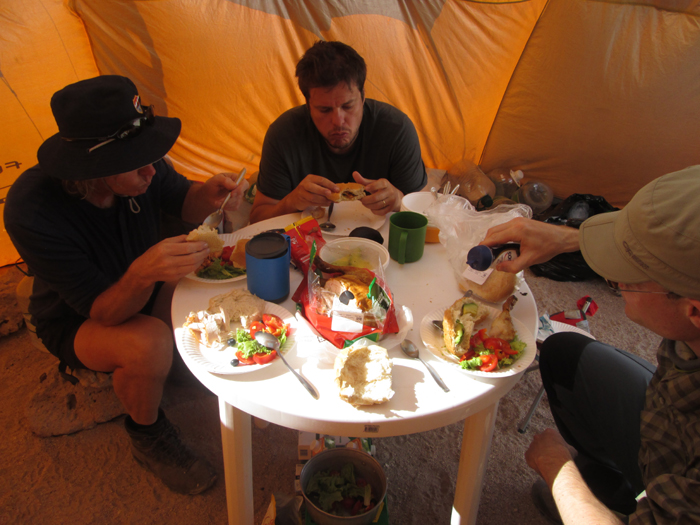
column 128, row 130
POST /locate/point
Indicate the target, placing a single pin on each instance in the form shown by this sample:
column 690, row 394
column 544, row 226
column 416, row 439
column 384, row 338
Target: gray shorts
column 58, row 335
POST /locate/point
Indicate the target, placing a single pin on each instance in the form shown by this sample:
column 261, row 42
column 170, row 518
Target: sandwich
column 210, row 236
column 351, row 191
column 363, row 375
column 458, row 324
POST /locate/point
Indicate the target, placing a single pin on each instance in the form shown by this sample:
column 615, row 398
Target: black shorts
column 58, row 335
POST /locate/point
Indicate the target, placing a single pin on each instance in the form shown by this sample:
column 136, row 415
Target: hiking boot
column 544, row 501
column 160, row 450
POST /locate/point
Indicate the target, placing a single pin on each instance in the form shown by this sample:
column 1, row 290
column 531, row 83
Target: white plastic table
column 419, row 404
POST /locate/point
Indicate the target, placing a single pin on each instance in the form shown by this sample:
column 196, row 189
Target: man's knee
column 151, row 344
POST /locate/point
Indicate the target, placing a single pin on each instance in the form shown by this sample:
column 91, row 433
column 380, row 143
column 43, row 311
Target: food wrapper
column 342, row 303
column 303, row 235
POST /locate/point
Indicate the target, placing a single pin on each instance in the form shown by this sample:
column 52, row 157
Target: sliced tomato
column 360, row 482
column 226, row 253
column 467, row 356
column 262, row 358
column 275, row 325
column 257, row 326
column 477, row 338
column 490, row 362
column 244, row 360
column 357, row 507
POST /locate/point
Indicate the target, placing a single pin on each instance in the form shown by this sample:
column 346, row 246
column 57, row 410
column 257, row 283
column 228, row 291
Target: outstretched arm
column 539, row 241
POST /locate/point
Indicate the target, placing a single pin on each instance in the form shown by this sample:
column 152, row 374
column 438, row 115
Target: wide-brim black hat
column 90, row 112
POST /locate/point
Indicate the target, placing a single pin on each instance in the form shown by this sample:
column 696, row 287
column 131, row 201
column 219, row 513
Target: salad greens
column 476, row 363
column 248, row 346
column 339, row 493
column 217, row 270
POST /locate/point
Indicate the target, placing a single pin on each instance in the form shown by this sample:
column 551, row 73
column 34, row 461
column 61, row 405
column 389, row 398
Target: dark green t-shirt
column 386, row 147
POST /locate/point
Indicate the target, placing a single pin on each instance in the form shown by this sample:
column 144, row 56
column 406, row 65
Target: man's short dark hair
column 327, row 64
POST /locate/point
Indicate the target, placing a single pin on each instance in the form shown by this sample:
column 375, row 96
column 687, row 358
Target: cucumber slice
column 470, row 308
column 459, row 332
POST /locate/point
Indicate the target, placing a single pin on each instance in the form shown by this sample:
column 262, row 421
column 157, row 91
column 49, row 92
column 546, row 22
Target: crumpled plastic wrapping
column 312, row 345
column 462, row 227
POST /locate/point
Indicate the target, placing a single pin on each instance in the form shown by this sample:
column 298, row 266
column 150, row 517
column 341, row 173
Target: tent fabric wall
column 43, row 47
column 614, row 104
column 588, row 95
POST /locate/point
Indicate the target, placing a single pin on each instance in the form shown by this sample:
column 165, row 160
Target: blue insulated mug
column 267, row 257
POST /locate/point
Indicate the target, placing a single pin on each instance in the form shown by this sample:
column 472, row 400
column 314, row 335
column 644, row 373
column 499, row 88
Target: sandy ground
column 90, row 477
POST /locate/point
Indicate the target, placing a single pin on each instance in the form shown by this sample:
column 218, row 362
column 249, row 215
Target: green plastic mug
column 407, row 236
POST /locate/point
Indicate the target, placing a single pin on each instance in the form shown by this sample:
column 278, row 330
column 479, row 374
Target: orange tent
column 589, row 96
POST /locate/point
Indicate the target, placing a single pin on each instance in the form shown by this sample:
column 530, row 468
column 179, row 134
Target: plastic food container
column 419, row 202
column 364, row 465
column 355, row 251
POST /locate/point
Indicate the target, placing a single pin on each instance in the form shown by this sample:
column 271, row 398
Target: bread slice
column 238, row 304
column 210, row 236
column 363, row 375
column 458, row 324
column 350, row 191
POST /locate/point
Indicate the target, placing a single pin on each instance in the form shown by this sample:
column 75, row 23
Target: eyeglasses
column 128, row 130
column 615, row 286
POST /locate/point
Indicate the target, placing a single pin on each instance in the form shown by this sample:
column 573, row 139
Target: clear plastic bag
column 462, row 227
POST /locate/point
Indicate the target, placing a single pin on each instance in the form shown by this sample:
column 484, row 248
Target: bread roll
column 238, row 304
column 497, row 287
column 363, row 375
column 351, row 191
column 210, row 236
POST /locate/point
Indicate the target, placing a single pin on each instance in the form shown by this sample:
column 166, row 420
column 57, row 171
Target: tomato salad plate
column 230, row 240
column 433, row 340
column 217, row 360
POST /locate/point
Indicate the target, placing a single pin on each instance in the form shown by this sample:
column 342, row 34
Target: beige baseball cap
column 656, row 237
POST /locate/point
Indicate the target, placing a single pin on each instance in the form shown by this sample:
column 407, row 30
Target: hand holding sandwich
column 384, row 196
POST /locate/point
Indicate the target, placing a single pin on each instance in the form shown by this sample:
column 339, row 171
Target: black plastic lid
column 267, row 245
column 480, row 257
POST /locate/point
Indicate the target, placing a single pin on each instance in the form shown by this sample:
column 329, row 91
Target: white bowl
column 364, row 251
column 418, row 201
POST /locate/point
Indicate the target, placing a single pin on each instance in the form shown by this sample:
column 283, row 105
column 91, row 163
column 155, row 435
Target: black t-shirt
column 75, row 249
column 386, row 147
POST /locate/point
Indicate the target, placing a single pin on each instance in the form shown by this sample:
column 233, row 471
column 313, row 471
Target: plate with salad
column 241, row 354
column 487, row 356
column 221, row 269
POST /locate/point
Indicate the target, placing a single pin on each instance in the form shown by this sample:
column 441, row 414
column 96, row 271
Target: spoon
column 328, row 225
column 270, row 341
column 214, row 219
column 411, row 351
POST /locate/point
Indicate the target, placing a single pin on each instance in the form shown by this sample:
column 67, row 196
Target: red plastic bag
column 342, row 318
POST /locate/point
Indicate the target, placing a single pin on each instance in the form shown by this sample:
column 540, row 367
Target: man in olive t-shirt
column 337, row 136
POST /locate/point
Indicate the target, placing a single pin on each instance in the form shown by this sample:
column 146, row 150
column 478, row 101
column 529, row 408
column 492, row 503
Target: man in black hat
column 86, row 222
column 338, row 136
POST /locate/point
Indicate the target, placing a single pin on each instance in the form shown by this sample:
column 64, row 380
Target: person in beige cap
column 635, row 427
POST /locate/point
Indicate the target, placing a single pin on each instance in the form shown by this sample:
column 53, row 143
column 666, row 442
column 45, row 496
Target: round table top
column 274, row 394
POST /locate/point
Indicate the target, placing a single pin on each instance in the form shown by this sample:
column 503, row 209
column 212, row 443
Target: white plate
column 563, row 327
column 433, row 340
column 347, row 216
column 230, row 239
column 219, row 361
column 369, row 250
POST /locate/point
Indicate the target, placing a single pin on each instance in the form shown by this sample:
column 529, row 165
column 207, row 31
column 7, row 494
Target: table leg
column 476, row 445
column 238, row 463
